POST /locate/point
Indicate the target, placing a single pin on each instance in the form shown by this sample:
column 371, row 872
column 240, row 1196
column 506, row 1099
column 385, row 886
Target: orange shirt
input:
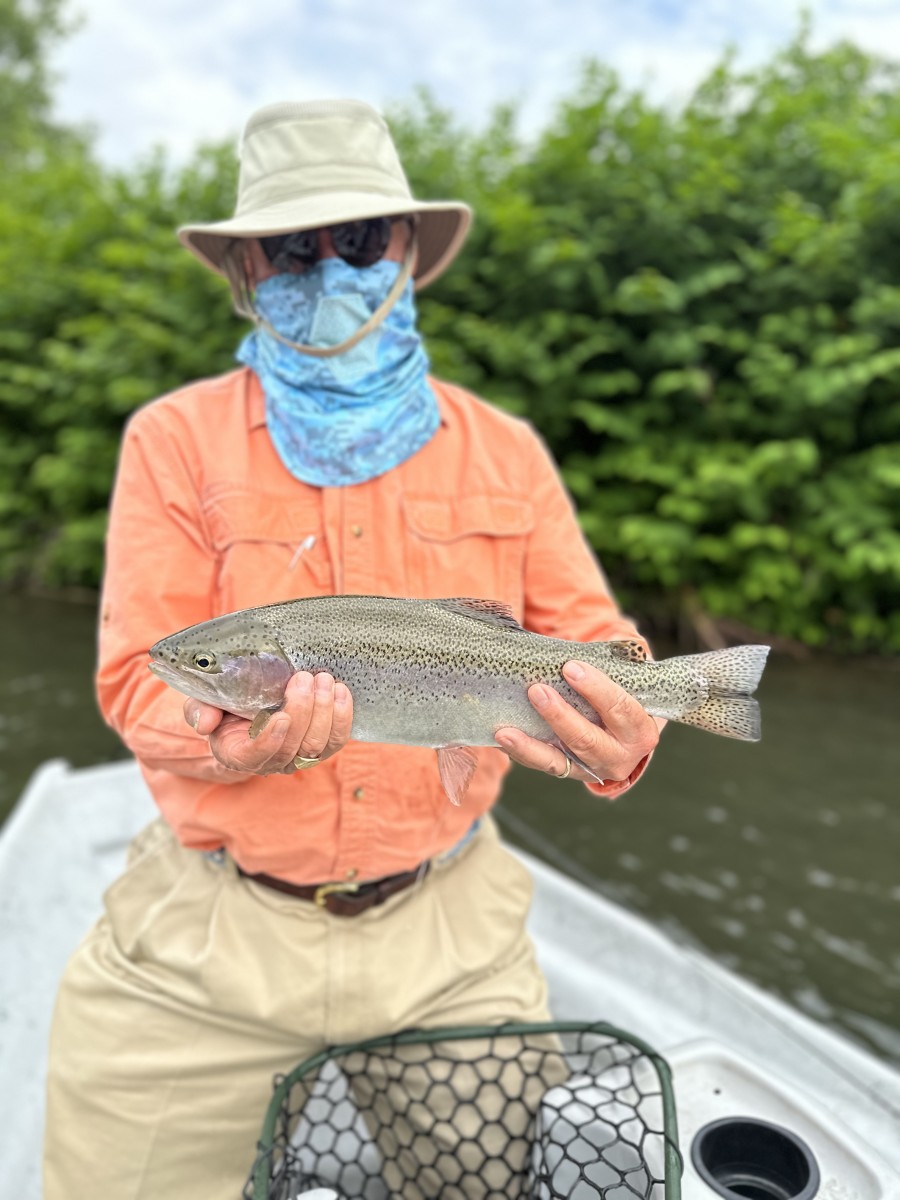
column 205, row 519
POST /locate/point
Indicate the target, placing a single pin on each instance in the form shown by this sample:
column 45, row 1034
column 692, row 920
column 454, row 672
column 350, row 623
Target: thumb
column 202, row 717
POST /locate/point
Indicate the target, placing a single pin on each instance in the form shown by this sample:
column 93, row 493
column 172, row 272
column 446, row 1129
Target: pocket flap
column 245, row 515
column 440, row 519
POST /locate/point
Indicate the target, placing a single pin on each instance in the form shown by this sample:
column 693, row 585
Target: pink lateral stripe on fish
column 442, row 673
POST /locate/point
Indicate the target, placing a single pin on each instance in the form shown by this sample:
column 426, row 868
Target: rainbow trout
column 442, row 673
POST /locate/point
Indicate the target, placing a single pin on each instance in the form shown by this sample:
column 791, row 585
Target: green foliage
column 101, row 310
column 28, row 29
column 701, row 312
column 699, row 309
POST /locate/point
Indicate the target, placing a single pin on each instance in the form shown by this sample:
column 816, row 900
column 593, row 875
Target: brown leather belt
column 343, row 899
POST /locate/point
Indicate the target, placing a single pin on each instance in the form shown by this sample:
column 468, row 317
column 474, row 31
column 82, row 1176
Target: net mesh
column 555, row 1109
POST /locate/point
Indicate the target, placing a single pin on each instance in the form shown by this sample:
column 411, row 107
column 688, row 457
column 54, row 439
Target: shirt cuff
column 614, row 788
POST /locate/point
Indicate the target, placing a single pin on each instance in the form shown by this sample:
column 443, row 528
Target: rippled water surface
column 781, row 858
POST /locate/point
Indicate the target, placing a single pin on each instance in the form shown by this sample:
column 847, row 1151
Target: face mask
column 351, row 417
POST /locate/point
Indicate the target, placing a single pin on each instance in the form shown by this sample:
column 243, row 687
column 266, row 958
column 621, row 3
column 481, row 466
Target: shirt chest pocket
column 470, row 546
column 269, row 548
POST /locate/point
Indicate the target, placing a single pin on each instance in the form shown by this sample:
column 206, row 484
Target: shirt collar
column 256, row 401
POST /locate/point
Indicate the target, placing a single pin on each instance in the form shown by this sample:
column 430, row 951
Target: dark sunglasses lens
column 287, row 251
column 362, row 243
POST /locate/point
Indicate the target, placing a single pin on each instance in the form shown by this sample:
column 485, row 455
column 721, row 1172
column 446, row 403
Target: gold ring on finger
column 302, row 763
column 568, row 770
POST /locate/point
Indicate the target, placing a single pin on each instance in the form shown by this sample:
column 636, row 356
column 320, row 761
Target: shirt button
column 359, row 793
column 356, row 530
column 351, row 874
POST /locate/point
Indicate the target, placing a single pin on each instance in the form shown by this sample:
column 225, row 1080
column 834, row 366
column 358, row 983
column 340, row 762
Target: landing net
column 536, row 1111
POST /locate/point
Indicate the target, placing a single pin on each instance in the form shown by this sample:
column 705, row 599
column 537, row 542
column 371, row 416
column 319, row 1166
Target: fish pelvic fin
column 733, row 675
column 457, row 766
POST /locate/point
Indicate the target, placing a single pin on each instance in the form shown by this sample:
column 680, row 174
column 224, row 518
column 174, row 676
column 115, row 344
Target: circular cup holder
column 743, row 1158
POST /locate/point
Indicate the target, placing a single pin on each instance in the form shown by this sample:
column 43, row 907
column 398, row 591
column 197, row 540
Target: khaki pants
column 197, row 986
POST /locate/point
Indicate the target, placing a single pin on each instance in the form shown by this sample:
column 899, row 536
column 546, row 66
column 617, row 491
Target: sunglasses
column 358, row 243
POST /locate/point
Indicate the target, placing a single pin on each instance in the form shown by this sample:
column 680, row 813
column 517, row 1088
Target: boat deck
column 66, row 841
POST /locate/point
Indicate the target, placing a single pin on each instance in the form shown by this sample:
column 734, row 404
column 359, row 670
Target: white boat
column 735, row 1051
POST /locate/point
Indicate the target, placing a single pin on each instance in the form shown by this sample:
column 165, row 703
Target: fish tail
column 732, row 675
column 731, row 716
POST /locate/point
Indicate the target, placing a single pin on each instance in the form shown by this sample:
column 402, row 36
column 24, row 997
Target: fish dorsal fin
column 632, row 650
column 493, row 612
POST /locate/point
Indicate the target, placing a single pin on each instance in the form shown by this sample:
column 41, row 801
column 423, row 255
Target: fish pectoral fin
column 260, row 721
column 457, row 766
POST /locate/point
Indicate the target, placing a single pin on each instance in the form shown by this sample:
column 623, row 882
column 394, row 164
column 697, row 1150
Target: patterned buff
column 341, row 420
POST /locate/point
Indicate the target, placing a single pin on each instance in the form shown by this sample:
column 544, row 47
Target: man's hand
column 612, row 752
column 314, row 722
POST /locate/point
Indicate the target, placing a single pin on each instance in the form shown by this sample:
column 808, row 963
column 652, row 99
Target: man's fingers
column 321, row 714
column 315, row 737
column 202, row 717
column 341, row 721
column 530, row 752
column 314, row 721
column 234, row 749
column 610, row 750
column 622, row 715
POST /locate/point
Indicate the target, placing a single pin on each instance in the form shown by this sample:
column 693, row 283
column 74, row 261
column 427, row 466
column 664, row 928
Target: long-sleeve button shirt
column 205, row 519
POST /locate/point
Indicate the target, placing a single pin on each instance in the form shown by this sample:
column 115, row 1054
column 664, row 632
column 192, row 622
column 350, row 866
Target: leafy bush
column 700, row 310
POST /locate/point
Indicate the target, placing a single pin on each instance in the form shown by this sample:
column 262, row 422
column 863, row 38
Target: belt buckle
column 321, row 894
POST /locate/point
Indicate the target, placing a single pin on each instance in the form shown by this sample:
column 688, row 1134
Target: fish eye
column 204, row 661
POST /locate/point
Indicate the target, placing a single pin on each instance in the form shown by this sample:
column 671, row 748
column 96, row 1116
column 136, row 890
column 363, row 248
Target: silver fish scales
column 442, row 673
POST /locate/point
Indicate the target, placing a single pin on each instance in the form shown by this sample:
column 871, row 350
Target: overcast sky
column 175, row 72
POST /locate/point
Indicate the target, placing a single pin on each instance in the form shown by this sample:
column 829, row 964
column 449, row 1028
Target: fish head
column 233, row 662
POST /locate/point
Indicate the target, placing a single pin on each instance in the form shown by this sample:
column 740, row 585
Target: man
column 302, row 889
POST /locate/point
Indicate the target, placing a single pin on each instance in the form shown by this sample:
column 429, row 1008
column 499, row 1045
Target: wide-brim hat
column 303, row 166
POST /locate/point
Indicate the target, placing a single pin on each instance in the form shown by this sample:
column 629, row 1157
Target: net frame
column 260, row 1181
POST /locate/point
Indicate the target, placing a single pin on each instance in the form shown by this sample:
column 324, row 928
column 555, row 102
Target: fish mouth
column 166, row 672
column 197, row 689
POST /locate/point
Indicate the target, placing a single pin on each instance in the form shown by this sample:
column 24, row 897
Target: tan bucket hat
column 303, row 166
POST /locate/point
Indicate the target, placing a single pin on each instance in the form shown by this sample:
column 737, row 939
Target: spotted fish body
column 441, row 673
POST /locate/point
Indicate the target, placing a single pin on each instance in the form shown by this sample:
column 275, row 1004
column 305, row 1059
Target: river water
column 780, row 858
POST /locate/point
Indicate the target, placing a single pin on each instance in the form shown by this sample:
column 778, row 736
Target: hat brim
column 442, row 226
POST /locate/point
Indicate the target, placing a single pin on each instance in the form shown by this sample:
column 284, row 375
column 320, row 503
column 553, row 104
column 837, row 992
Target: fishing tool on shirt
column 343, row 369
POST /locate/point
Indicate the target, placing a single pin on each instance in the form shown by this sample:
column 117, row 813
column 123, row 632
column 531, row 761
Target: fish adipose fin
column 457, row 766
column 733, row 675
column 493, row 612
column 632, row 650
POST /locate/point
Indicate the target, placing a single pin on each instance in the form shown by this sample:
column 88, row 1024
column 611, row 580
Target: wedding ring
column 565, row 774
column 302, row 763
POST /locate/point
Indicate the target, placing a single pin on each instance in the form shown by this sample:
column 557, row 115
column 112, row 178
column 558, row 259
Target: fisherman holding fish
column 308, row 881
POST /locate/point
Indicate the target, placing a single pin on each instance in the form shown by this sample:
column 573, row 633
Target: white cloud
column 169, row 72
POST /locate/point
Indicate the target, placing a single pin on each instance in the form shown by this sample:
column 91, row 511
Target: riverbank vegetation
column 698, row 307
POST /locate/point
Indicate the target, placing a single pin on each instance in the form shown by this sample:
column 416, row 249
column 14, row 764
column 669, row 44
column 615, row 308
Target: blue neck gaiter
column 341, row 420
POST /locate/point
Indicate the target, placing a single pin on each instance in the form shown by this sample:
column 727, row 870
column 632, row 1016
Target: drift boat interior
column 770, row 1105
